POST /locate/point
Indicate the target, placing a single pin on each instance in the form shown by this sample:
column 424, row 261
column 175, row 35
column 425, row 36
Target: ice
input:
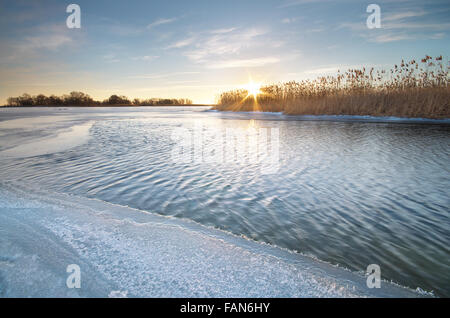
column 375, row 119
column 123, row 252
column 335, row 118
column 61, row 140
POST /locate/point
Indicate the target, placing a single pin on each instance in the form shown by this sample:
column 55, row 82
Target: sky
column 199, row 48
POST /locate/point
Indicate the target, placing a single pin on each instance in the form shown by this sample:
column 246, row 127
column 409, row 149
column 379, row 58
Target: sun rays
column 253, row 89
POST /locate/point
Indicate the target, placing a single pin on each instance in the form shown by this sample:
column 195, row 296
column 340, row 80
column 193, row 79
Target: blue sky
column 198, row 48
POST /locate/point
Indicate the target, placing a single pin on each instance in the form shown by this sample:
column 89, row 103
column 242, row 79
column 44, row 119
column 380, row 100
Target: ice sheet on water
column 339, row 118
column 124, row 252
column 60, row 140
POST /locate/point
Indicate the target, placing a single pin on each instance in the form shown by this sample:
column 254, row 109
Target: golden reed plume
column 410, row 89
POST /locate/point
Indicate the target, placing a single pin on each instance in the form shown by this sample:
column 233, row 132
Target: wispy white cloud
column 124, row 30
column 288, row 20
column 177, row 87
column 48, row 37
column 399, row 26
column 323, row 70
column 162, row 75
column 111, row 58
column 160, row 22
column 146, row 58
column 292, row 3
column 231, row 48
column 52, row 41
column 253, row 62
column 438, row 36
column 35, row 45
column 386, row 38
column 330, row 69
column 221, row 45
column 396, row 16
column 222, row 31
column 181, row 43
column 416, row 25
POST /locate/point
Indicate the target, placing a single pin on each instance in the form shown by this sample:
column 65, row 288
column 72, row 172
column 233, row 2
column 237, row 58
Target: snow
column 60, row 140
column 124, row 252
column 375, row 119
column 343, row 118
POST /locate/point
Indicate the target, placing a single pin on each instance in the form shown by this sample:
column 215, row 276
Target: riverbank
column 332, row 118
column 132, row 253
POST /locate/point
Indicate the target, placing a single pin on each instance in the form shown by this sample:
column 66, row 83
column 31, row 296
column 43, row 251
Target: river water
column 350, row 193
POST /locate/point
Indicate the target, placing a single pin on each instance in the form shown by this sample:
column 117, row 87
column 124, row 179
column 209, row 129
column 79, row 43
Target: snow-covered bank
column 126, row 251
column 372, row 119
column 339, row 118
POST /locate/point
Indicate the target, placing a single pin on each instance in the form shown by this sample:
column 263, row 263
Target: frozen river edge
column 128, row 252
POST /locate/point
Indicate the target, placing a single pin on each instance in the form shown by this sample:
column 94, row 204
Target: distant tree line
column 82, row 99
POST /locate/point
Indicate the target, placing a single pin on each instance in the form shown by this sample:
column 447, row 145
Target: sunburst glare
column 253, row 89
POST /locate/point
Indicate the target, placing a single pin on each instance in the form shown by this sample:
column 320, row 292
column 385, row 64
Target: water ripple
column 348, row 193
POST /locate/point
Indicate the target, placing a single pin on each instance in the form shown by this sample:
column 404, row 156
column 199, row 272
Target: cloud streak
column 162, row 75
column 221, row 48
column 400, row 26
column 181, row 43
column 160, row 22
column 253, row 62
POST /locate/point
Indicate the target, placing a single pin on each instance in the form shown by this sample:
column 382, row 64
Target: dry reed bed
column 411, row 89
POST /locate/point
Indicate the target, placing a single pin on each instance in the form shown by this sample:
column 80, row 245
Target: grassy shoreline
column 409, row 90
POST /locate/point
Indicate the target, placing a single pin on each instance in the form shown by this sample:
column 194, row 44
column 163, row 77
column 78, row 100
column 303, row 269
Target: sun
column 253, row 89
